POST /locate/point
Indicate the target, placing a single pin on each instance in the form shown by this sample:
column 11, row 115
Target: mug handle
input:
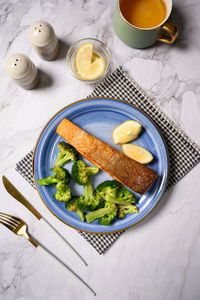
column 172, row 31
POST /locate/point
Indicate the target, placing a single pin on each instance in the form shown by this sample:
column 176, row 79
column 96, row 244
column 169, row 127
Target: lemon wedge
column 126, row 132
column 89, row 65
column 137, row 153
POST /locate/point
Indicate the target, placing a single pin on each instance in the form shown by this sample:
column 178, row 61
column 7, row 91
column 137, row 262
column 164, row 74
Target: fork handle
column 61, row 238
column 66, row 268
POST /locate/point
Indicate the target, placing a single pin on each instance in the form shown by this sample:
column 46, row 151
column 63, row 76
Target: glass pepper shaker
column 44, row 40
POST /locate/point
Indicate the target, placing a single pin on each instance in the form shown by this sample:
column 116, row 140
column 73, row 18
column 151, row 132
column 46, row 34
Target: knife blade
column 11, row 189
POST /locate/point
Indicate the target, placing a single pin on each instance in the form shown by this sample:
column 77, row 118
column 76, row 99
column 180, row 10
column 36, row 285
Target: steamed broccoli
column 108, row 187
column 72, row 206
column 123, row 210
column 63, row 193
column 125, row 196
column 61, row 174
column 67, row 153
column 107, row 214
column 107, row 219
column 81, row 172
column 112, row 191
column 89, row 201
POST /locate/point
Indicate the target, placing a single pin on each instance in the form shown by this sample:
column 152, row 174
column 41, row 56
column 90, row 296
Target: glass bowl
column 99, row 48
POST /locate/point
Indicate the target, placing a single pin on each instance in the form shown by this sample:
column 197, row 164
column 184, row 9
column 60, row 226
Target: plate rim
column 105, row 98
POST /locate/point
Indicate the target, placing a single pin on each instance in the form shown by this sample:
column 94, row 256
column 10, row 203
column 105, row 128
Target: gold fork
column 19, row 227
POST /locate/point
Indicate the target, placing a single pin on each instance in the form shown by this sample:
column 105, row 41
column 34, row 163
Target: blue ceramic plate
column 99, row 116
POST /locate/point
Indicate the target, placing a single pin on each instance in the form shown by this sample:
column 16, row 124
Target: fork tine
column 8, row 221
column 9, row 216
column 7, row 225
column 11, row 220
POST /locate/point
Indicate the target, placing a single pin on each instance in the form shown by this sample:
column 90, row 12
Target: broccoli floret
column 89, row 201
column 63, row 193
column 67, row 153
column 81, row 172
column 108, row 187
column 72, row 206
column 107, row 219
column 61, row 174
column 108, row 212
column 123, row 210
column 125, row 196
column 112, row 191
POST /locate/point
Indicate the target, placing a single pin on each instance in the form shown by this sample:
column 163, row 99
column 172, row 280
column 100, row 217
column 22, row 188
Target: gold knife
column 11, row 189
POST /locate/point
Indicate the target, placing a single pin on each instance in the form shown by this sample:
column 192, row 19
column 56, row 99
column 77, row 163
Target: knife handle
column 66, row 268
column 61, row 238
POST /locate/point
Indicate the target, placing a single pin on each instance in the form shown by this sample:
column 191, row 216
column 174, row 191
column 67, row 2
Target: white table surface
column 160, row 257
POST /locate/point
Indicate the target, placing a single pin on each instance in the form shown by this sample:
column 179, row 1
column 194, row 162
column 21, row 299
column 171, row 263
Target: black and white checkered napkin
column 183, row 153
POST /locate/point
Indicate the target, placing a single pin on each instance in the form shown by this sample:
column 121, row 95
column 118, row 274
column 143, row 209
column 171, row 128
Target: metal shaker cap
column 40, row 33
column 18, row 65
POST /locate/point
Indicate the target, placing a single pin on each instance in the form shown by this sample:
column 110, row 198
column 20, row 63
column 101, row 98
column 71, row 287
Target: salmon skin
column 129, row 172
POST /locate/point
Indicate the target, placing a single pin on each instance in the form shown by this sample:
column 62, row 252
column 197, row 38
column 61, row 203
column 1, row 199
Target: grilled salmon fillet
column 121, row 167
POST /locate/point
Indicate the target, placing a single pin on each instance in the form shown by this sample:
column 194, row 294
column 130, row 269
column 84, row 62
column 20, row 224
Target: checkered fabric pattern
column 183, row 153
column 24, row 167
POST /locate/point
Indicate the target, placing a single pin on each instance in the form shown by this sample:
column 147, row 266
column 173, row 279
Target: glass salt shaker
column 44, row 40
column 21, row 69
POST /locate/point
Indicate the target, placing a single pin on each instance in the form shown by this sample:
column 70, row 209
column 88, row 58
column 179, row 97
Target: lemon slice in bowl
column 126, row 132
column 88, row 64
column 137, row 153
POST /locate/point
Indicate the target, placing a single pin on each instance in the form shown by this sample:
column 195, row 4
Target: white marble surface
column 159, row 258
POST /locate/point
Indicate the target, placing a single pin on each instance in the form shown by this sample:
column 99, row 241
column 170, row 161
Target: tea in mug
column 143, row 13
